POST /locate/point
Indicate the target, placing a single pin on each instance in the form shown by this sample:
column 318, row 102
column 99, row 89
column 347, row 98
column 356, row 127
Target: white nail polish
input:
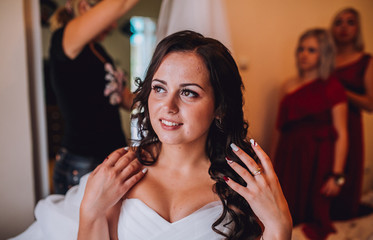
column 144, row 170
column 234, row 147
column 127, row 148
column 252, row 141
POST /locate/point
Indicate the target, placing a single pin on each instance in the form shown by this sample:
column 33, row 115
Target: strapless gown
column 57, row 218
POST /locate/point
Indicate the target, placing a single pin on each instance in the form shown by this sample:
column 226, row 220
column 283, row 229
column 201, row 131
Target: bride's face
column 181, row 103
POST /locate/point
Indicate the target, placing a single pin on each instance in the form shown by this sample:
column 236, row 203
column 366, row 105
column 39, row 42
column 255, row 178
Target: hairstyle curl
column 230, row 128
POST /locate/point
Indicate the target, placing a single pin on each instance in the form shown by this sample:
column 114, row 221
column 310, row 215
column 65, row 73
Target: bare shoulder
column 290, row 84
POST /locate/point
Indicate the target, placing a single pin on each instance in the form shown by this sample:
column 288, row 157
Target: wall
column 16, row 177
column 264, row 35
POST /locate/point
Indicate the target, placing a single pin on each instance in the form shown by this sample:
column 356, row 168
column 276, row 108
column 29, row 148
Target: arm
column 127, row 99
column 106, row 186
column 365, row 101
column 84, row 28
column 263, row 193
column 339, row 113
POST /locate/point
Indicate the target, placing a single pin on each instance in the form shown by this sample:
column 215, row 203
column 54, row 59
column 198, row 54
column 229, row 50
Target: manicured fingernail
column 226, row 179
column 144, row 170
column 234, row 147
column 127, row 148
column 228, row 160
column 252, row 141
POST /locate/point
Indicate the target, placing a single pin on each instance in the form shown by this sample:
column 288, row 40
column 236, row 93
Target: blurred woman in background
column 312, row 148
column 88, row 87
column 354, row 69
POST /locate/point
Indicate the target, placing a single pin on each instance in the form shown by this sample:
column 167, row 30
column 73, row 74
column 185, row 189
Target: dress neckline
column 205, row 207
column 352, row 62
column 303, row 86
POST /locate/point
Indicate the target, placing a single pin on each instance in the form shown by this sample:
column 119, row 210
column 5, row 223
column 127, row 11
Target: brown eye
column 189, row 93
column 157, row 89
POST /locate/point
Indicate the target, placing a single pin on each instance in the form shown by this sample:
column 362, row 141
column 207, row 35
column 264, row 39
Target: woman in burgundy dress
column 312, row 121
column 354, row 69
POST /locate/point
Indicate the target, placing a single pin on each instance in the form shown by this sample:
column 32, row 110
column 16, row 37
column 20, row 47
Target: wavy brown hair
column 230, row 128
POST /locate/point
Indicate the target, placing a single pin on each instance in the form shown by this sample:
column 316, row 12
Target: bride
column 193, row 175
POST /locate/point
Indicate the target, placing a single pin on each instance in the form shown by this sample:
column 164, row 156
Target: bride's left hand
column 263, row 192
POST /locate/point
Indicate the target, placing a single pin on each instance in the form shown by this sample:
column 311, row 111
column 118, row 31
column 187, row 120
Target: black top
column 92, row 125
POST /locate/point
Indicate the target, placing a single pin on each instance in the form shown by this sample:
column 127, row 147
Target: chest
column 174, row 198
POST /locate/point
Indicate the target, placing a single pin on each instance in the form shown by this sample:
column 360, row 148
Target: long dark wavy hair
column 229, row 127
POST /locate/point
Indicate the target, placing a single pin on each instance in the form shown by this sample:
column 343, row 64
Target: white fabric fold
column 207, row 17
column 139, row 221
column 57, row 218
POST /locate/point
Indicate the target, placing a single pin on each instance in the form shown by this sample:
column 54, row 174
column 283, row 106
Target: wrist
column 339, row 178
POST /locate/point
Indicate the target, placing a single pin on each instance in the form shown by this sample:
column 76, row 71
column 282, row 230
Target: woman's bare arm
column 365, row 101
column 94, row 20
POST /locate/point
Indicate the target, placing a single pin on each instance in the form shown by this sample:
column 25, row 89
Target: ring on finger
column 257, row 172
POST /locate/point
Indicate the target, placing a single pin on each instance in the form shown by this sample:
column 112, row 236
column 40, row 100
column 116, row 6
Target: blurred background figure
column 354, row 69
column 312, row 146
column 88, row 87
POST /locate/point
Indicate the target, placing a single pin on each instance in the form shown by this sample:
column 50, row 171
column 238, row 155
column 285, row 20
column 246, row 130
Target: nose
column 171, row 104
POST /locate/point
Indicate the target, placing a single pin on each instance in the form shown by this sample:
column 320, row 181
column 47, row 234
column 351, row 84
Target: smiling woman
column 183, row 97
column 203, row 179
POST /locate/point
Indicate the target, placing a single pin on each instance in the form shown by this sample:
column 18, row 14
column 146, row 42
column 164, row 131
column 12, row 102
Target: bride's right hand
column 109, row 182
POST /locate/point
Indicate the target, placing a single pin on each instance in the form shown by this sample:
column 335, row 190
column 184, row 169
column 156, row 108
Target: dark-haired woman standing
column 203, row 179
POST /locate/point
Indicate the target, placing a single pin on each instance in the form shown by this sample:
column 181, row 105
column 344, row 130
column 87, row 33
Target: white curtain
column 207, row 17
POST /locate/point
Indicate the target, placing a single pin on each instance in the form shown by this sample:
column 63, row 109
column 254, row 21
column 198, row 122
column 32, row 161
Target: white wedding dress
column 57, row 218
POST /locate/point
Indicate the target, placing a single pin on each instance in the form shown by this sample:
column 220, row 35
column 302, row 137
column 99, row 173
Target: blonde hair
column 327, row 51
column 358, row 43
column 64, row 14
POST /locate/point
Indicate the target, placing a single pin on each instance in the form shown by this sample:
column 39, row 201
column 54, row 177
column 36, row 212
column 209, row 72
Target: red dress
column 305, row 153
column 346, row 205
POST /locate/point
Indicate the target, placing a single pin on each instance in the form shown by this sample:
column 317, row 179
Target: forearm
column 340, row 153
column 362, row 101
column 284, row 234
column 127, row 99
column 85, row 28
column 92, row 229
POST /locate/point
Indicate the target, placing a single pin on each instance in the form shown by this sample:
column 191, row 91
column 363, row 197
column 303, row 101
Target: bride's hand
column 109, row 182
column 263, row 192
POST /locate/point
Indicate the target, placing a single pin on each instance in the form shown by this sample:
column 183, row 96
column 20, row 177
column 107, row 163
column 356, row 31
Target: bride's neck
column 183, row 158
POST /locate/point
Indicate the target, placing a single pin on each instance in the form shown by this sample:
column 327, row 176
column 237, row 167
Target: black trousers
column 69, row 168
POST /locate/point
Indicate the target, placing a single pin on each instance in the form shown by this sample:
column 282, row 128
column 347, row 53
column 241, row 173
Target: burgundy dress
column 346, row 205
column 305, row 153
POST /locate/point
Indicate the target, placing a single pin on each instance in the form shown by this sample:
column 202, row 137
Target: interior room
column 262, row 36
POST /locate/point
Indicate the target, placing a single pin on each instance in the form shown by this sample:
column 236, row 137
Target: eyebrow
column 182, row 85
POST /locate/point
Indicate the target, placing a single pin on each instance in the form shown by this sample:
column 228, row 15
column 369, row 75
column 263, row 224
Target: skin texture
column 178, row 184
column 183, row 96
